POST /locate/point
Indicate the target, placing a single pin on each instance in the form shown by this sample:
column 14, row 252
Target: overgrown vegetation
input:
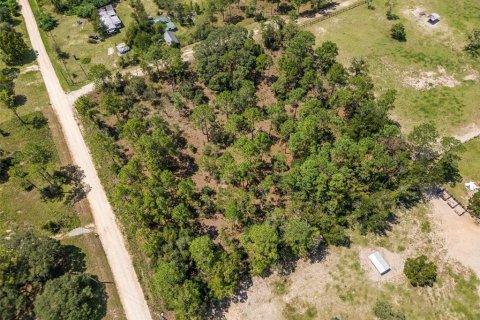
column 420, row 271
column 37, row 273
column 255, row 185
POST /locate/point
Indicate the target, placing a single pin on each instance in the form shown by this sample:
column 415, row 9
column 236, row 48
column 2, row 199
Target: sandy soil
column 461, row 235
column 430, row 79
column 468, row 133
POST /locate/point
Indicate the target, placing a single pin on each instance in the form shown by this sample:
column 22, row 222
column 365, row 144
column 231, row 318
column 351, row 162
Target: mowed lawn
column 366, row 33
column 469, row 169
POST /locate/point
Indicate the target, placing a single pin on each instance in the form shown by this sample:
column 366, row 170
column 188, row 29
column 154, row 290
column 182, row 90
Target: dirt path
column 461, row 234
column 471, row 132
column 126, row 281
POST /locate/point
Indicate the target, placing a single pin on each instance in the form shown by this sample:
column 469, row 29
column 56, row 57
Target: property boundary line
column 332, row 14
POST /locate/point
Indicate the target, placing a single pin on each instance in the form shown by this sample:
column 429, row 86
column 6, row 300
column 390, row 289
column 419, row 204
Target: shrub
column 385, row 311
column 47, row 22
column 391, row 16
column 85, row 60
column 474, row 205
column 398, row 32
column 420, row 271
column 473, row 46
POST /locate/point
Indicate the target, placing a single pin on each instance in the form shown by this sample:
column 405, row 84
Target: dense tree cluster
column 41, row 278
column 420, row 271
column 227, row 58
column 279, row 181
column 82, row 8
column 12, row 46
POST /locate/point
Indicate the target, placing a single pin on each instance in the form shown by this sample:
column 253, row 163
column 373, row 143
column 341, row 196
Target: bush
column 385, row 311
column 474, row 205
column 85, row 60
column 391, row 16
column 398, row 32
column 473, row 46
column 420, row 272
column 47, row 22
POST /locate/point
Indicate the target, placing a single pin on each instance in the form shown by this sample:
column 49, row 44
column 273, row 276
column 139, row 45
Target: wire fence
column 332, row 14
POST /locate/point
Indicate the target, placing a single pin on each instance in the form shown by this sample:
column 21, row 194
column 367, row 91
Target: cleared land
column 436, row 82
column 428, row 70
column 344, row 283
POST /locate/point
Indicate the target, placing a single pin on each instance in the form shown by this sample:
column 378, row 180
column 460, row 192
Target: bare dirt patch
column 430, row 79
column 460, row 234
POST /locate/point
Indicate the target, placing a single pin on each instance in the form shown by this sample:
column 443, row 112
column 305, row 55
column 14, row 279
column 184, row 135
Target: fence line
column 332, row 14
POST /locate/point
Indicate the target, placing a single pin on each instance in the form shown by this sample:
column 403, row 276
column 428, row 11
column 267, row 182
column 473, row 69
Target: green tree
column 154, row 55
column 474, row 205
column 327, row 54
column 300, row 237
column 397, row 32
column 12, row 45
column 226, row 58
column 204, row 118
column 261, row 243
column 473, row 46
column 173, row 64
column 72, row 297
column 384, row 311
column 420, row 272
column 99, row 73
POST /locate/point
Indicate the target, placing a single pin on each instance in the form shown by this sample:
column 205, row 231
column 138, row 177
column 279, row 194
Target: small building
column 122, row 48
column 434, row 18
column 109, row 19
column 162, row 19
column 380, row 264
column 170, row 26
column 170, row 38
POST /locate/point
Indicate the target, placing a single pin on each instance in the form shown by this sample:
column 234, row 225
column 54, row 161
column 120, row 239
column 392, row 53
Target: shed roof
column 434, row 16
column 162, row 19
column 170, row 37
column 380, row 264
column 170, row 26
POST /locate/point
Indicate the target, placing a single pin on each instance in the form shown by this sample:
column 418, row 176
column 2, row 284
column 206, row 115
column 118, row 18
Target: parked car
column 93, row 36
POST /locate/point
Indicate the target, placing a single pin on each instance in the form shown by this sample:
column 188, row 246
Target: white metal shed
column 380, row 264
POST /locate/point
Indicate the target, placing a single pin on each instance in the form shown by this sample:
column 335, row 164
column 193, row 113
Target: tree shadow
column 20, row 100
column 5, row 164
column 234, row 19
column 74, row 259
column 217, row 310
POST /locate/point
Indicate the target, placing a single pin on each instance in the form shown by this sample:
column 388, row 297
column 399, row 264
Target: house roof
column 380, row 264
column 170, row 37
column 162, row 19
column 170, row 26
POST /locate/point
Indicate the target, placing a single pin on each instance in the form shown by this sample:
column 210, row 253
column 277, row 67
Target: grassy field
column 469, row 169
column 71, row 36
column 393, row 64
column 345, row 285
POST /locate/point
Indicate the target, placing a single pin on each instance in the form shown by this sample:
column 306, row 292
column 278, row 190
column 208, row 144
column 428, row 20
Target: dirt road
column 126, row 281
column 461, row 234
